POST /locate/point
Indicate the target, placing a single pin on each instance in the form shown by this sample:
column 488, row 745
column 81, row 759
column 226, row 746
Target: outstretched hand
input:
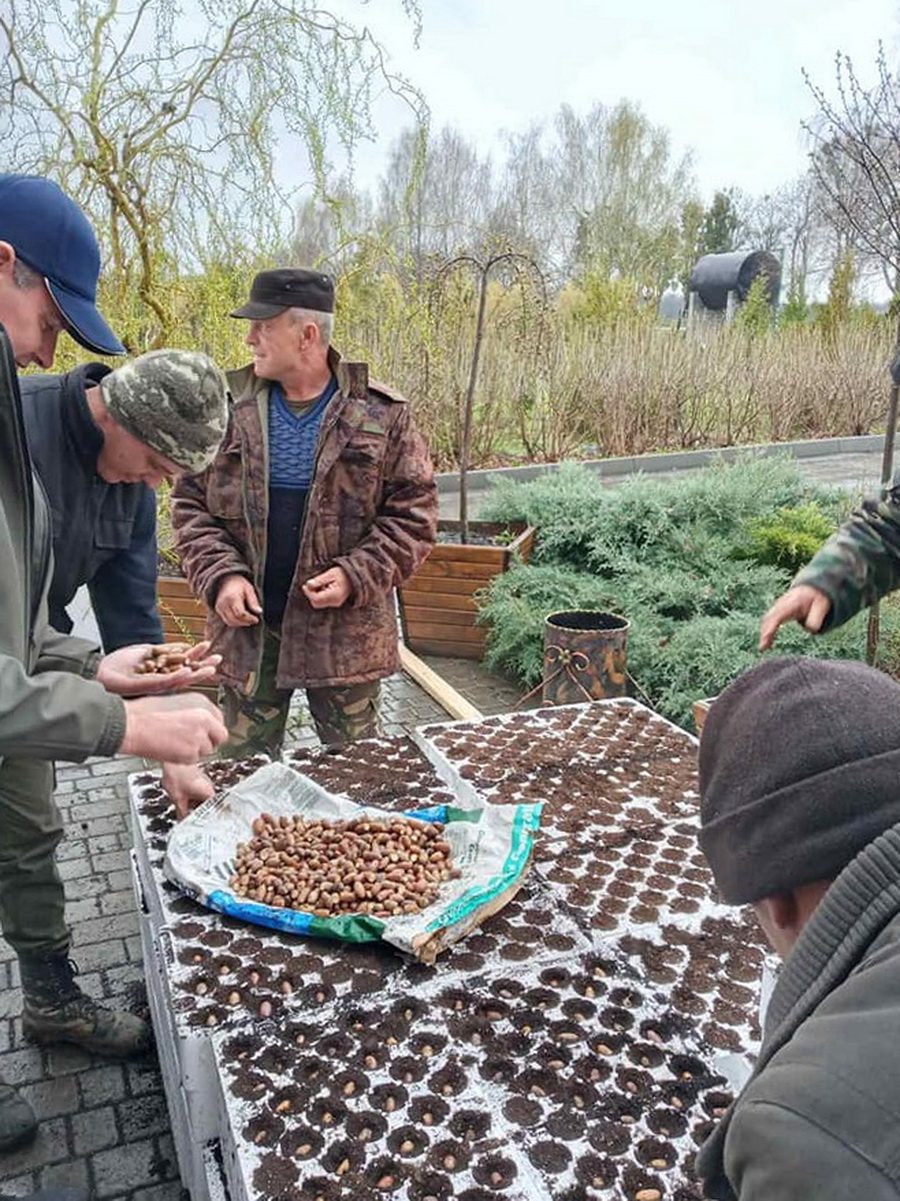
column 804, row 603
column 118, row 671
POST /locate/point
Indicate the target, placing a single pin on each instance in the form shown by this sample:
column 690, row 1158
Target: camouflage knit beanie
column 799, row 770
column 172, row 400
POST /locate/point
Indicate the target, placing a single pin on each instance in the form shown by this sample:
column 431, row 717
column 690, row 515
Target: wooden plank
column 444, row 584
column 185, row 606
column 173, row 586
column 431, row 616
column 413, row 599
column 456, row 553
column 177, row 631
column 459, row 570
column 445, row 631
column 446, row 696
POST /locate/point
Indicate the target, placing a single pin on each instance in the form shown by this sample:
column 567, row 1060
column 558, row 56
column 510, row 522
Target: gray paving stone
column 162, row 1192
column 50, row 1146
column 78, row 772
column 125, row 1167
column 118, row 902
column 73, row 1174
column 79, row 910
column 120, row 880
column 10, row 1003
column 143, row 1077
column 111, row 861
column 88, row 885
column 108, row 809
column 110, row 767
column 72, row 848
column 134, row 948
column 22, row 1066
column 75, row 868
column 19, row 1186
column 50, row 1098
column 102, row 1085
column 63, row 1058
column 94, row 1130
column 97, row 827
column 99, row 955
column 143, row 1116
column 98, row 929
column 166, row 1165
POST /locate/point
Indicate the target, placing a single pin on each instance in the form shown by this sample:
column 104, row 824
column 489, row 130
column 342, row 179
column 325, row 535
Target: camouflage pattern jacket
column 372, row 510
column 860, row 563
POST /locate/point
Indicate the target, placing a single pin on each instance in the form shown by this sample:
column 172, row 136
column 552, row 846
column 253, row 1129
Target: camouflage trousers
column 256, row 722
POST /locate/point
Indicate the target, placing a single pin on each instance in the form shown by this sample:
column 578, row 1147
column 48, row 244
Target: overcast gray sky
column 724, row 76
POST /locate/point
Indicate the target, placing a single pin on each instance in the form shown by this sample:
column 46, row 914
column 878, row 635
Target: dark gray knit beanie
column 172, row 400
column 799, row 770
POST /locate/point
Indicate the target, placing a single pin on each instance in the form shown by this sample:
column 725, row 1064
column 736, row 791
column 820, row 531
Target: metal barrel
column 585, row 654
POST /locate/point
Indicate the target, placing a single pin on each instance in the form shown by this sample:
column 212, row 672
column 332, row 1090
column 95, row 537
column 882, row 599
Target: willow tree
column 185, row 132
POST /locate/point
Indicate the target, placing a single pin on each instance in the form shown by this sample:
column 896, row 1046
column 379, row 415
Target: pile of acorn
column 382, row 867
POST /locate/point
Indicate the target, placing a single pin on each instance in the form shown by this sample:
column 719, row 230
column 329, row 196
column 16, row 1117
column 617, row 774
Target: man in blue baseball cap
column 59, row 699
column 48, row 252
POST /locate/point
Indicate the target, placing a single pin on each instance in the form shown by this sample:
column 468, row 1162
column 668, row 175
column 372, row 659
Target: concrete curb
column 448, row 482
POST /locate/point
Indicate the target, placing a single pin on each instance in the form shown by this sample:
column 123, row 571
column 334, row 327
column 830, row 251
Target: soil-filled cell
column 470, row 1125
column 366, row 1126
column 494, row 1171
column 275, row 1175
column 550, row 1156
column 429, row 1111
column 450, row 1155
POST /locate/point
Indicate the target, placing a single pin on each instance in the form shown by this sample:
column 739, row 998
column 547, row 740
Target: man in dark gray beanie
column 800, row 817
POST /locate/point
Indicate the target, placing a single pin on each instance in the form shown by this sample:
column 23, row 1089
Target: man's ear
column 783, row 911
column 779, row 915
column 7, row 258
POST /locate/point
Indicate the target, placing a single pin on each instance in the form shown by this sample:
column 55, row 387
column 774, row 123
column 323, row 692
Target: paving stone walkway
column 104, row 1125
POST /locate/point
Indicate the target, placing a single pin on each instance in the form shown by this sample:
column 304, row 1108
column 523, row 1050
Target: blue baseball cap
column 52, row 236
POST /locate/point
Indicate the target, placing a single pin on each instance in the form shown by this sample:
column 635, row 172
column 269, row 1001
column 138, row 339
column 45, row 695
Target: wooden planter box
column 701, row 708
column 438, row 607
column 183, row 617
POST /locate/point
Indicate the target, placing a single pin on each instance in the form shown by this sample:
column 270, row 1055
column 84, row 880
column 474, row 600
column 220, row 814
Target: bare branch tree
column 856, row 161
column 167, row 124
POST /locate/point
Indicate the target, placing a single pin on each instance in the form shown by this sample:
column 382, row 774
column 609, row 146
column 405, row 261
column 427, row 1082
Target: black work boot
column 18, row 1125
column 56, row 1010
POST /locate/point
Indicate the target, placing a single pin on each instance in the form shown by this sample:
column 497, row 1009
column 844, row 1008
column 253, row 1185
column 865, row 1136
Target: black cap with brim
column 255, row 311
column 287, row 288
column 83, row 321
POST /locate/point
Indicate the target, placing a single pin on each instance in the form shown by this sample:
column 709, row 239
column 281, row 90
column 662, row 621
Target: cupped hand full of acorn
column 383, row 867
column 165, row 659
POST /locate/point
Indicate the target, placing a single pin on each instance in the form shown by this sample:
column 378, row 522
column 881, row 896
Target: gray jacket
column 48, row 709
column 819, row 1119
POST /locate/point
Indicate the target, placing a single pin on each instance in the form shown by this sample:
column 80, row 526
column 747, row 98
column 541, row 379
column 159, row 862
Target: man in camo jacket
column 858, row 565
column 318, row 504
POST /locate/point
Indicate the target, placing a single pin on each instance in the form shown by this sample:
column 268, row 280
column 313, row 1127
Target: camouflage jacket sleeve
column 207, row 551
column 405, row 526
column 861, row 562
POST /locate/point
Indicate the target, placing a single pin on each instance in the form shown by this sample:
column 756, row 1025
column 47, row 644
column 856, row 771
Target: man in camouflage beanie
column 173, row 401
column 130, row 428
